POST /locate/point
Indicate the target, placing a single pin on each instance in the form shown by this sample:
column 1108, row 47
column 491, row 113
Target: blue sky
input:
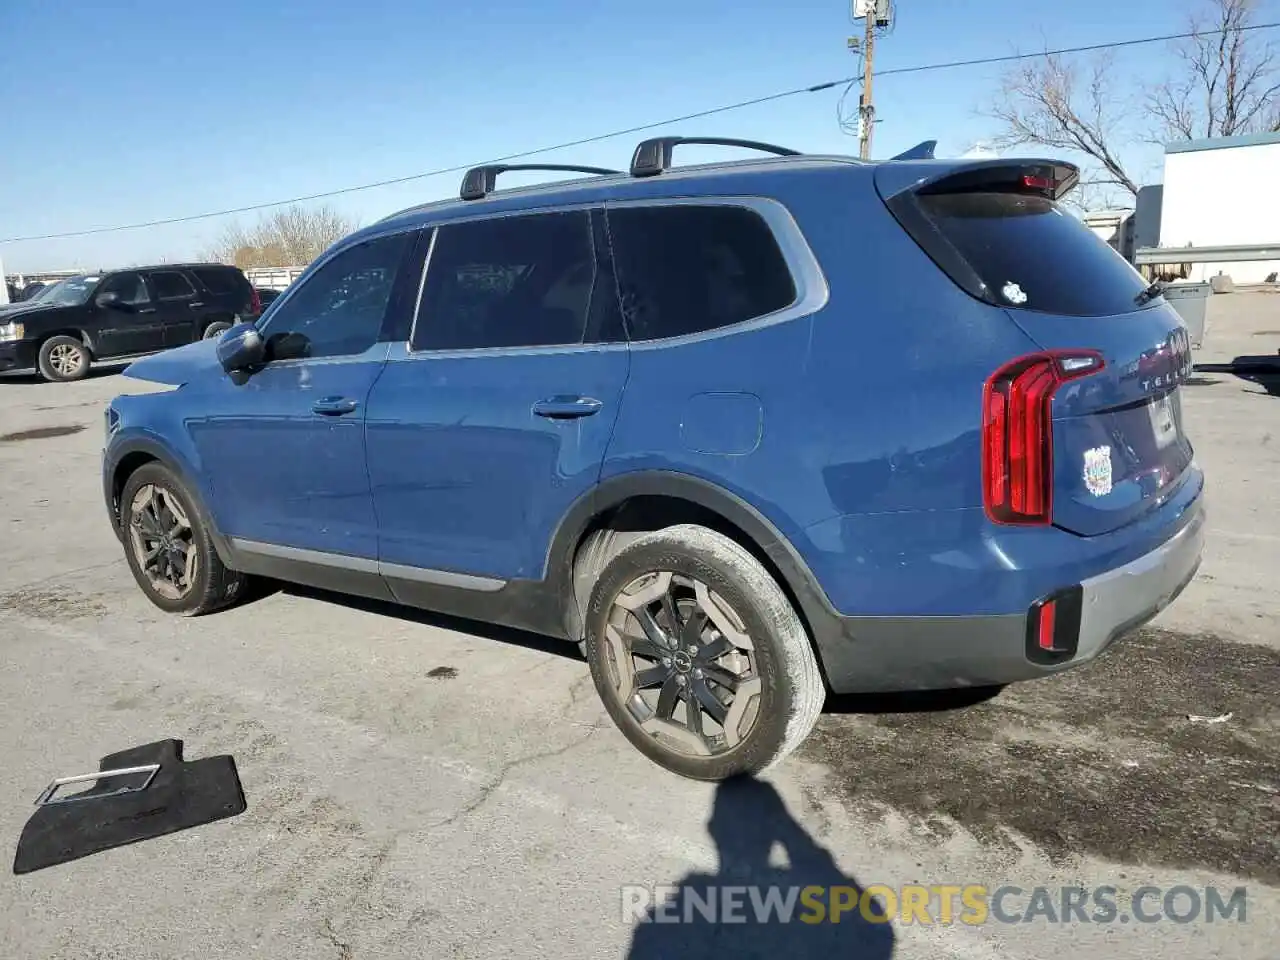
column 156, row 108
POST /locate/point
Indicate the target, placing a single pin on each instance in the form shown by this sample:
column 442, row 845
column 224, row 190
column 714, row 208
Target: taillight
column 1017, row 433
column 255, row 301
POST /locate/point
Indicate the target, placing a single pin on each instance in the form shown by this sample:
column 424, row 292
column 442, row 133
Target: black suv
column 123, row 313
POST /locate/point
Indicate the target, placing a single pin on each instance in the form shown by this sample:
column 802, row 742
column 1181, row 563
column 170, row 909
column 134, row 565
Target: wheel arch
column 77, row 333
column 129, row 454
column 648, row 500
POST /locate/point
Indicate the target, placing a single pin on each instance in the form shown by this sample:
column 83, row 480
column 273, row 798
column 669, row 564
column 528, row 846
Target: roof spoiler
column 921, row 151
column 1052, row 179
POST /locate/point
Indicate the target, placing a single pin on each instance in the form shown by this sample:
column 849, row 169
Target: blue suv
column 748, row 432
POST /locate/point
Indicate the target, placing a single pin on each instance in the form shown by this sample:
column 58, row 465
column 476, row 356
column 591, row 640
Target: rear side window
column 1033, row 255
column 521, row 281
column 171, row 286
column 222, row 282
column 685, row 269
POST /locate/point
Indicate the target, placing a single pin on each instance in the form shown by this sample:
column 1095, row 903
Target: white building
column 1222, row 193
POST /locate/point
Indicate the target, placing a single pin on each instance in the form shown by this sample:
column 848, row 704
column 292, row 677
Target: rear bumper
column 880, row 654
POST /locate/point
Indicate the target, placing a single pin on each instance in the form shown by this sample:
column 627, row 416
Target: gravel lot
column 425, row 787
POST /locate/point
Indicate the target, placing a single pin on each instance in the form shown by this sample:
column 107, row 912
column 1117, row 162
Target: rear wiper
column 1146, row 296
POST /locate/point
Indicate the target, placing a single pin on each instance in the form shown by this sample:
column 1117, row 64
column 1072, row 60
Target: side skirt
column 521, row 604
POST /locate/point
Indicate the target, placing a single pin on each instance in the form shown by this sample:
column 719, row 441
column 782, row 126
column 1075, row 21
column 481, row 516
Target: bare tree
column 1227, row 82
column 291, row 237
column 1057, row 103
column 1223, row 81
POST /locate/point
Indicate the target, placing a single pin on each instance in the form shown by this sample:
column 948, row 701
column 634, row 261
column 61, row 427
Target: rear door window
column 689, row 268
column 220, row 281
column 1034, row 255
column 518, row 281
column 171, row 285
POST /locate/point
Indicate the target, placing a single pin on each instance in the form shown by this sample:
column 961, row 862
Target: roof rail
column 921, row 151
column 479, row 182
column 653, row 157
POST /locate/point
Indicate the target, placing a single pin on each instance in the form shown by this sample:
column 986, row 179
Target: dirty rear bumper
column 884, row 654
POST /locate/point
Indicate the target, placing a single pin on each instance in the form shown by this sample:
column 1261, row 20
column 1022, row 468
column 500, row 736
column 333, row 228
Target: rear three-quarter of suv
column 122, row 313
column 748, row 432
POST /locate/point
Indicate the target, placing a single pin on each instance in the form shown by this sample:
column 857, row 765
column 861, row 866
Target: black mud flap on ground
column 129, row 807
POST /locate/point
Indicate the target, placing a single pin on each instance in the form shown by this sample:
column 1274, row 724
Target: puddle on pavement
column 1098, row 761
column 443, row 673
column 41, row 433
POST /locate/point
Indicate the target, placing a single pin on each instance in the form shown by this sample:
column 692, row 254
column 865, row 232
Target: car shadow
column 922, row 701
column 261, row 588
column 929, row 701
column 1263, row 369
column 751, row 908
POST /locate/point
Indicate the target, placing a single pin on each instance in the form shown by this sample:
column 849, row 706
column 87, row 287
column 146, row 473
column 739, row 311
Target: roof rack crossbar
column 654, row 156
column 921, row 151
column 479, row 182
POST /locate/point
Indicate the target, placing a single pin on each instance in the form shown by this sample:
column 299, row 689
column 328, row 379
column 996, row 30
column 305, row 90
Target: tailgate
column 1117, row 447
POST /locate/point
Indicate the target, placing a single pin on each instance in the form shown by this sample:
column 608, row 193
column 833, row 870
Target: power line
column 639, row 128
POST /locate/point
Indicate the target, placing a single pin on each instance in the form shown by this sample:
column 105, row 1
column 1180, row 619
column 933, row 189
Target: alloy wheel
column 163, row 542
column 66, row 359
column 682, row 663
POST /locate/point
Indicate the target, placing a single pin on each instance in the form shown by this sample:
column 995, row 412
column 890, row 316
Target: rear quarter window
column 1033, row 255
column 222, row 282
column 688, row 268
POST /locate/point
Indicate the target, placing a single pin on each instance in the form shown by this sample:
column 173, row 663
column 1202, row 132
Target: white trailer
column 1221, row 193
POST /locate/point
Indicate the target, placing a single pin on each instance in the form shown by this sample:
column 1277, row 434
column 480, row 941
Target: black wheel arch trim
column 612, row 492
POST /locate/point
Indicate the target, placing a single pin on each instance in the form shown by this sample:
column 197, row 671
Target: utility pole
column 867, row 110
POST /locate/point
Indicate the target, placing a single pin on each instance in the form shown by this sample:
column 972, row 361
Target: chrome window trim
column 812, row 291
column 422, row 285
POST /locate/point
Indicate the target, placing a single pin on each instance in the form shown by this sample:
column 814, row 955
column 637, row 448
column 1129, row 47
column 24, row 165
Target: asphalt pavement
column 424, row 787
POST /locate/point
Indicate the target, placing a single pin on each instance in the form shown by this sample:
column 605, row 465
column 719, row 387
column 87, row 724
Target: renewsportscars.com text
column 971, row 904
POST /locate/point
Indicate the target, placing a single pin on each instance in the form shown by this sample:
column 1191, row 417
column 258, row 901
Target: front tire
column 699, row 657
column 62, row 359
column 167, row 544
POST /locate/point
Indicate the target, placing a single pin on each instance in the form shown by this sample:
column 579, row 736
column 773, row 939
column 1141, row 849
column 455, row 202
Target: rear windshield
column 1033, row 255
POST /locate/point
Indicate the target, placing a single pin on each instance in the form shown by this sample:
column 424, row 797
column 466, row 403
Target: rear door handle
column 197, row 303
column 567, row 408
column 334, row 406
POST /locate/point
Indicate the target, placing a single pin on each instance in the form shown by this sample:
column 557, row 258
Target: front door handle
column 334, row 406
column 567, row 408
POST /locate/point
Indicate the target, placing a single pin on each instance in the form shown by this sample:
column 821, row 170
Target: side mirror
column 241, row 348
column 108, row 301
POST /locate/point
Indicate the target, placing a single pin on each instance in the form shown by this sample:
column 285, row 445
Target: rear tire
column 167, row 544
column 709, row 625
column 216, row 329
column 62, row 359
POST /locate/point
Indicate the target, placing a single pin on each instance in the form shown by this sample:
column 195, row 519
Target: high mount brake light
column 1039, row 183
column 1017, row 433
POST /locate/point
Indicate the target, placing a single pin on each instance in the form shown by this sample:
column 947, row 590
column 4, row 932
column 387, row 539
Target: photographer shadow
column 748, row 819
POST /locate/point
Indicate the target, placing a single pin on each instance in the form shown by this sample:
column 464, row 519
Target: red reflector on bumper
column 1048, row 613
